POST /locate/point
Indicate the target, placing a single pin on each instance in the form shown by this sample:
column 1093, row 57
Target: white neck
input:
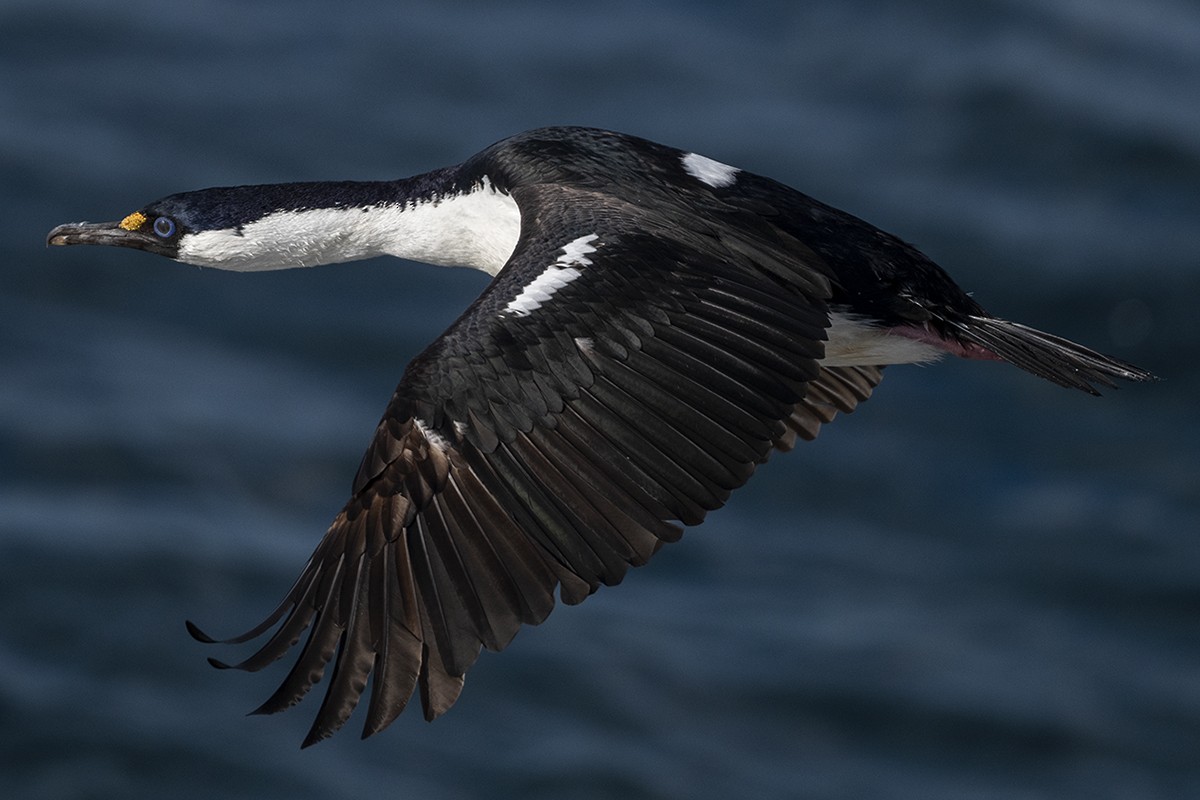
column 476, row 229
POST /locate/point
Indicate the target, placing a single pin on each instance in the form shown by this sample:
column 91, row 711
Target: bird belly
column 857, row 342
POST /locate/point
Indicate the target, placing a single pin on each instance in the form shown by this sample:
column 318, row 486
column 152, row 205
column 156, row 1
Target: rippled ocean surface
column 980, row 585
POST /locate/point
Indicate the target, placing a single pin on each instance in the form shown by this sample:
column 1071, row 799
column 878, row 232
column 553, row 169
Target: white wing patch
column 705, row 170
column 556, row 276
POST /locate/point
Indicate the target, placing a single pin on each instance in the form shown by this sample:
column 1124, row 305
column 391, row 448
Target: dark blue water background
column 979, row 586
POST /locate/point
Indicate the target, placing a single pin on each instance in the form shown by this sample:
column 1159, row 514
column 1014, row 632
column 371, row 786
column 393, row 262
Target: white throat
column 477, row 229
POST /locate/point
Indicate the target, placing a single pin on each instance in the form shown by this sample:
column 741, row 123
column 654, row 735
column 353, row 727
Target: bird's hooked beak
column 129, row 232
column 90, row 233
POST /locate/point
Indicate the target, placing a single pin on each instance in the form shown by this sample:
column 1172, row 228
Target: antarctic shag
column 657, row 325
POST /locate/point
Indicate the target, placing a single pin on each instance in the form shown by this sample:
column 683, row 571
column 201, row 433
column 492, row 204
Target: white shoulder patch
column 564, row 270
column 705, row 170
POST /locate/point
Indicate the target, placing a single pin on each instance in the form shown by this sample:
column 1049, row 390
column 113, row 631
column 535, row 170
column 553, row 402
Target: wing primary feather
column 394, row 646
column 445, row 603
column 520, row 558
column 572, row 588
column 282, row 640
column 591, row 527
column 310, row 665
column 403, row 608
column 467, row 582
column 500, row 598
column 553, row 526
column 303, row 584
column 439, row 689
column 355, row 658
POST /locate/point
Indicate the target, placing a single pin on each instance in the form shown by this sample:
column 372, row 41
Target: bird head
column 245, row 228
column 155, row 234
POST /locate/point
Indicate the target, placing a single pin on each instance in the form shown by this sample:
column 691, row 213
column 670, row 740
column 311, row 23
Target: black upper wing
column 555, row 441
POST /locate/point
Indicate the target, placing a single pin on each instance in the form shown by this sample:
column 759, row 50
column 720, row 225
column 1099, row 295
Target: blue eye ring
column 164, row 227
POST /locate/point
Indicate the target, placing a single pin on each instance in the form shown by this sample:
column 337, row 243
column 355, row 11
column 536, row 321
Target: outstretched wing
column 622, row 375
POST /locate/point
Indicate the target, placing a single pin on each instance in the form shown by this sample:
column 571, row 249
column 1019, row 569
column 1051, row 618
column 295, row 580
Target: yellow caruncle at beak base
column 133, row 221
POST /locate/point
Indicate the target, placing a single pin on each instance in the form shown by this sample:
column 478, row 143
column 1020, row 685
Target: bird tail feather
column 1048, row 356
